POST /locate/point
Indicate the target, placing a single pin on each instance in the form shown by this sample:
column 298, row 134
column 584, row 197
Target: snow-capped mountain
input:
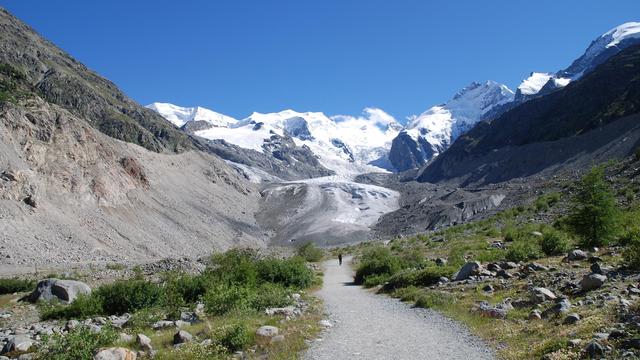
column 601, row 49
column 179, row 116
column 347, row 145
column 430, row 133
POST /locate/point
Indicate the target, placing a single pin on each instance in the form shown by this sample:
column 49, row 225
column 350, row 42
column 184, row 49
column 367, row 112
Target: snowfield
column 328, row 211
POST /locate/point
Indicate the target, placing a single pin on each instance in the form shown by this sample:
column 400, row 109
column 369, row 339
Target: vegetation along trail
column 368, row 326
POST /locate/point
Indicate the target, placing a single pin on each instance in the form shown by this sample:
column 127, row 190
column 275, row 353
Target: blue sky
column 335, row 56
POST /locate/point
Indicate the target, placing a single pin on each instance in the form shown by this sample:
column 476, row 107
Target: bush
column 410, row 293
column 223, row 299
column 433, row 299
column 632, row 250
column 310, row 252
column 523, row 250
column 128, row 296
column 235, row 337
column 82, row 307
column 424, row 277
column 10, row 286
column 377, row 261
column 593, row 214
column 268, row 296
column 554, row 242
column 194, row 351
column 79, row 344
column 375, row 280
column 292, row 272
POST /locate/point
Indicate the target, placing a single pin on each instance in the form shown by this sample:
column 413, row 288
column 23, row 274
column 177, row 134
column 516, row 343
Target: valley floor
column 368, row 326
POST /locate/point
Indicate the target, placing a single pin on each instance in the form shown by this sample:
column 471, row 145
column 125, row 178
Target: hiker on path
column 340, row 259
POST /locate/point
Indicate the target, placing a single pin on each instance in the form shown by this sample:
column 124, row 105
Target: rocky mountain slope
column 592, row 116
column 71, row 191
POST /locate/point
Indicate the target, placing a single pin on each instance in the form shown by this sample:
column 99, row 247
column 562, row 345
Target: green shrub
column 235, row 337
column 423, row 277
column 433, row 299
column 236, row 266
column 310, row 252
column 268, row 296
column 410, row 293
column 377, row 261
column 554, row 242
column 593, row 214
column 632, row 250
column 223, row 299
column 128, row 296
column 510, row 233
column 194, row 351
column 523, row 250
column 79, row 344
column 292, row 272
column 143, row 319
column 375, row 280
column 82, row 307
column 10, row 286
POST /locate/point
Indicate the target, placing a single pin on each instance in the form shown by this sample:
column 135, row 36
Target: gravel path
column 368, row 326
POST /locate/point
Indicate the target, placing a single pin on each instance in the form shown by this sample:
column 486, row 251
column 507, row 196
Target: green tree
column 593, row 214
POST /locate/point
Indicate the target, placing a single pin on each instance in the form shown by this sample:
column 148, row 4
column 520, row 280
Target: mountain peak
column 179, row 115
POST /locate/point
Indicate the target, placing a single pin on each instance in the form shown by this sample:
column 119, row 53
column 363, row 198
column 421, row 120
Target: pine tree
column 594, row 212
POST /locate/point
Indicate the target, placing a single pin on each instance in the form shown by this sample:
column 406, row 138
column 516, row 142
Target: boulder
column 182, row 337
column 631, row 344
column 17, row 343
column 535, row 315
column 277, row 339
column 494, row 267
column 71, row 324
column 594, row 349
column 592, row 282
column 115, row 354
column 577, row 255
column 441, row 261
column 508, row 265
column 562, row 306
column 63, row 290
column 467, row 270
column 267, row 331
column 495, row 312
column 288, row 311
column 163, row 324
column 540, row 295
column 571, row 319
column 144, row 342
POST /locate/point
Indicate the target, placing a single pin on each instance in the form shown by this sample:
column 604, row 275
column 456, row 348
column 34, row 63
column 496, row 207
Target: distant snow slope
column 433, row 131
column 602, row 48
column 344, row 144
column 179, row 116
column 329, row 210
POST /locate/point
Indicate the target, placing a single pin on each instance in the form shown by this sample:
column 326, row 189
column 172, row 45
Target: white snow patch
column 534, row 83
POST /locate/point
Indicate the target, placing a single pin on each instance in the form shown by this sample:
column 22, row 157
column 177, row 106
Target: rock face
column 540, row 294
column 592, row 282
column 431, row 133
column 97, row 198
column 182, row 337
column 281, row 158
column 17, row 343
column 577, row 255
column 267, row 331
column 115, row 354
column 63, row 290
column 468, row 270
column 407, row 153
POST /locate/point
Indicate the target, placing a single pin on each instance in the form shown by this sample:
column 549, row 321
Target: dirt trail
column 369, row 326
